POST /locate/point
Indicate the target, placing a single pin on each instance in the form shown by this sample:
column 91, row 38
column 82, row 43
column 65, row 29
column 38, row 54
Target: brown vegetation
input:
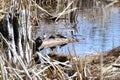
column 18, row 58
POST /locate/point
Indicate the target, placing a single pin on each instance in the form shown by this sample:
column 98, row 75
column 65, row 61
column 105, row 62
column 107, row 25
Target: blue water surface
column 98, row 38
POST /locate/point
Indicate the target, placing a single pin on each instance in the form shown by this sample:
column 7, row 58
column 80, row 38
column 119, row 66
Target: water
column 99, row 38
column 101, row 33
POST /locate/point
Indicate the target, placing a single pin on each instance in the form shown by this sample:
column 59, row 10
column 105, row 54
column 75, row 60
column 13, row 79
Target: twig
column 64, row 11
column 19, row 58
column 41, row 8
column 116, row 65
column 68, row 11
column 112, row 3
column 18, row 75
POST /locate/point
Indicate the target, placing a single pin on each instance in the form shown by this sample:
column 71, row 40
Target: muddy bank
column 110, row 64
column 90, row 65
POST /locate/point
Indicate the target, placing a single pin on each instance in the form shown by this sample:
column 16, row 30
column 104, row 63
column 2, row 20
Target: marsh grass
column 73, row 67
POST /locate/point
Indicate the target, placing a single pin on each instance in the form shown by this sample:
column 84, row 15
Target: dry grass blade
column 18, row 57
column 109, row 68
column 85, row 71
column 46, row 59
column 43, row 70
column 67, row 67
column 2, row 11
column 61, row 73
column 68, row 11
column 2, row 68
column 116, row 65
column 41, row 8
column 36, row 75
column 60, row 14
column 2, row 16
column 74, row 75
column 6, row 41
column 61, row 63
column 24, row 67
column 18, row 75
column 56, row 68
column 112, row 3
column 14, row 69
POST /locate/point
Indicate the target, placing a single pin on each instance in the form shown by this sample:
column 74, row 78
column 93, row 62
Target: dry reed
column 25, row 68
